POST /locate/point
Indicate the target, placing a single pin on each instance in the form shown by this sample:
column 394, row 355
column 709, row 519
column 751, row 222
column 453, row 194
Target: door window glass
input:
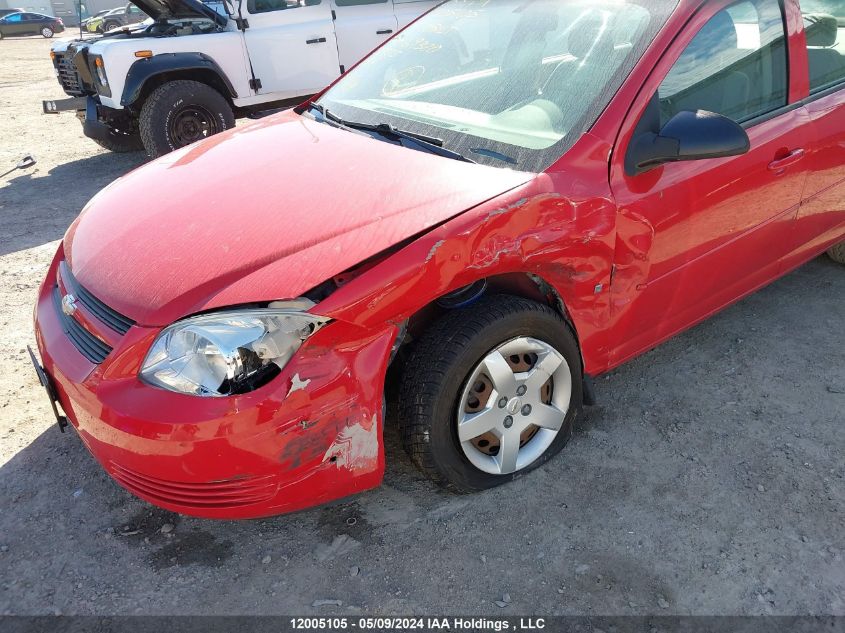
column 355, row 3
column 263, row 6
column 15, row 17
column 824, row 23
column 735, row 66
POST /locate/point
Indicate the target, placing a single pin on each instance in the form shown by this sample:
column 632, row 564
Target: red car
column 504, row 200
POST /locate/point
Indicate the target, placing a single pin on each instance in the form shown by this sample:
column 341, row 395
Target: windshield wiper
column 429, row 143
column 493, row 154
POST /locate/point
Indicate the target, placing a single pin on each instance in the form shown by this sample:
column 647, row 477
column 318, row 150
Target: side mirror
column 687, row 136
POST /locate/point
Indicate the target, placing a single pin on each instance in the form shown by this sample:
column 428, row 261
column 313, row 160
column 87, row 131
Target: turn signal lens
column 143, row 53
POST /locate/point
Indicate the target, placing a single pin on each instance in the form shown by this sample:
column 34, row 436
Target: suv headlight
column 227, row 353
column 100, row 67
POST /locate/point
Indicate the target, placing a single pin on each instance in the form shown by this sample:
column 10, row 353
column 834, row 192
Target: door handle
column 780, row 164
column 384, row 32
column 319, row 40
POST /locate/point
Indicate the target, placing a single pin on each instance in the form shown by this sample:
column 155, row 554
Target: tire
column 181, row 112
column 47, row 32
column 108, row 26
column 837, row 253
column 435, row 384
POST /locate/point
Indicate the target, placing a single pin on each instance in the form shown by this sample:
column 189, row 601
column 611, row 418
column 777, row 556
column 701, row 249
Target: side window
column 824, row 23
column 735, row 66
column 263, row 6
column 355, row 3
column 15, row 17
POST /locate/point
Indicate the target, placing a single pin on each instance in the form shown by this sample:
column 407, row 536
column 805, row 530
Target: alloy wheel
column 513, row 405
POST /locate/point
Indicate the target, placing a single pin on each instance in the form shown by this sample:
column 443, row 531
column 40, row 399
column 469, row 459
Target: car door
column 409, row 10
column 821, row 218
column 693, row 236
column 14, row 24
column 291, row 46
column 32, row 23
column 361, row 26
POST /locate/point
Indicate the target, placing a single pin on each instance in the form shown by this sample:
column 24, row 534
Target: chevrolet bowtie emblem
column 68, row 304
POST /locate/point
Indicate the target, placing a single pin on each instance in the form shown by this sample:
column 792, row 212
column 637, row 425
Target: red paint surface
column 633, row 260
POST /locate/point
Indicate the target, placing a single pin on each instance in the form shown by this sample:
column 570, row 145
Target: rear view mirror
column 687, row 136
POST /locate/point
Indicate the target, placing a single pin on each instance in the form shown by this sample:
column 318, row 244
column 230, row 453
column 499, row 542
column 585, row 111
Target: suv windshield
column 510, row 83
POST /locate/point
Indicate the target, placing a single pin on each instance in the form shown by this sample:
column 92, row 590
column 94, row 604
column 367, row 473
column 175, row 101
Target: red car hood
column 263, row 212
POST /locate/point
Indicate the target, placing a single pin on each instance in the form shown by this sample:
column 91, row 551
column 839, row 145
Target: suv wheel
column 47, row 32
column 490, row 392
column 108, row 26
column 182, row 112
column 837, row 253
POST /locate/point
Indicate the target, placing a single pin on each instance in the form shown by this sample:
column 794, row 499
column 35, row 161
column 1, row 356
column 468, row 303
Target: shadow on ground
column 37, row 207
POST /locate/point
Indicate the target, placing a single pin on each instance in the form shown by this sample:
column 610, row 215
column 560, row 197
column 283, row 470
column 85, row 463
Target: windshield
column 510, row 83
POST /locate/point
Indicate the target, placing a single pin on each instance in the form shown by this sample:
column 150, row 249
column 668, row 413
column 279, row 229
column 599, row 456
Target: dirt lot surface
column 708, row 481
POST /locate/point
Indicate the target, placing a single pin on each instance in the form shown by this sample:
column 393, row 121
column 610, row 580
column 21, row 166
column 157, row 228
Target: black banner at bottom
column 426, row 624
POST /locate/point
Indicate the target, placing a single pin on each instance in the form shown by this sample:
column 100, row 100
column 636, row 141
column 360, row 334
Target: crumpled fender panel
column 549, row 228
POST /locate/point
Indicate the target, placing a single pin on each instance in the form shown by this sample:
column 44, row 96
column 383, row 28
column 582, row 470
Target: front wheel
column 490, row 392
column 182, row 112
column 837, row 253
column 108, row 26
column 47, row 32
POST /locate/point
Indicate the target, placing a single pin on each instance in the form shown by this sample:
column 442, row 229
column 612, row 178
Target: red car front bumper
column 312, row 435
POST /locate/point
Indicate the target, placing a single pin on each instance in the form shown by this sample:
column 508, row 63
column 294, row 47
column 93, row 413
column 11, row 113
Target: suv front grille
column 68, row 77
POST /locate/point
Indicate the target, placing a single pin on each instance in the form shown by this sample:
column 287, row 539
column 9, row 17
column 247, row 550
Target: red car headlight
column 227, row 353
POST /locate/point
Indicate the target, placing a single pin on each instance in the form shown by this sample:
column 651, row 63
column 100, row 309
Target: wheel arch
column 147, row 74
column 521, row 284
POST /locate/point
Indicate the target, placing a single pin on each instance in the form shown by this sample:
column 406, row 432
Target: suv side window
column 735, row 66
column 355, row 3
column 263, row 6
column 824, row 24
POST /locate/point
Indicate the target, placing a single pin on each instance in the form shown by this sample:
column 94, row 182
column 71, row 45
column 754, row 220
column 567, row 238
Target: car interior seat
column 826, row 63
column 726, row 89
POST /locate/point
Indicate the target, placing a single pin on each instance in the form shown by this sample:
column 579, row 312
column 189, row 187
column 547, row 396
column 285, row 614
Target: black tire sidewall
column 165, row 103
column 446, row 451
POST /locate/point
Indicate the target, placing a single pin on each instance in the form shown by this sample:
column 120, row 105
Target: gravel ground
column 708, row 481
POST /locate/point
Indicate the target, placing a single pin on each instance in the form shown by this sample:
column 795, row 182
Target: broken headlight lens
column 227, row 353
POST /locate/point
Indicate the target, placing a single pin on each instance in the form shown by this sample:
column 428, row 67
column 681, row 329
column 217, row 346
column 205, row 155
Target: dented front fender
column 546, row 228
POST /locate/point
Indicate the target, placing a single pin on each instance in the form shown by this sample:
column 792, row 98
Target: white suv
column 198, row 66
